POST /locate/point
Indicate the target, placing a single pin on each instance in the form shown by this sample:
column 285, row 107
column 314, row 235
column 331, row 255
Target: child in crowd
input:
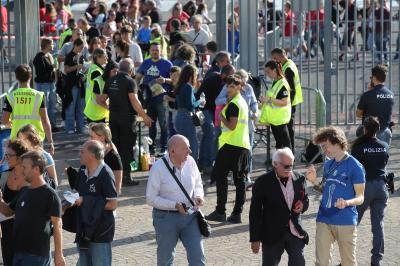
column 174, row 74
column 144, row 33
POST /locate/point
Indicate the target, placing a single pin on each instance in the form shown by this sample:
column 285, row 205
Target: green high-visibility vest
column 90, row 82
column 238, row 137
column 64, row 35
column 298, row 96
column 93, row 110
column 273, row 114
column 25, row 103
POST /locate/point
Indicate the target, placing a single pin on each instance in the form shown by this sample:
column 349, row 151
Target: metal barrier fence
column 335, row 44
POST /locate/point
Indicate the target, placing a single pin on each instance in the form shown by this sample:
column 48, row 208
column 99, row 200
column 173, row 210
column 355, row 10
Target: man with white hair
column 173, row 216
column 279, row 197
column 198, row 36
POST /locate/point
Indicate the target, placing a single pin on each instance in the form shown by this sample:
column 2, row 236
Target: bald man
column 173, row 218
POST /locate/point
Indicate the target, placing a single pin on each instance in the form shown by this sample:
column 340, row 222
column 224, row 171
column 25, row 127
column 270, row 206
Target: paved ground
column 134, row 242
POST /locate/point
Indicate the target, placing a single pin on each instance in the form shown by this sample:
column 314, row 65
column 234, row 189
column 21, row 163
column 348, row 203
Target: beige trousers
column 346, row 237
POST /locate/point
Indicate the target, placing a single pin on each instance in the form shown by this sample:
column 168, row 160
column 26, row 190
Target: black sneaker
column 127, row 182
column 235, row 218
column 216, row 217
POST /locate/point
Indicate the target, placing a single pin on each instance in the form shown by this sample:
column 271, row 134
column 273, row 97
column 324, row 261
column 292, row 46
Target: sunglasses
column 286, row 166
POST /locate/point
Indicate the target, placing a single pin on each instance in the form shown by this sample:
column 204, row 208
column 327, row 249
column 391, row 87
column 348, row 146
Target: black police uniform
column 373, row 154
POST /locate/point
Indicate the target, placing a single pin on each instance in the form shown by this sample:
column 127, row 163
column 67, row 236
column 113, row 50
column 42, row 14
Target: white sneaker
column 70, row 132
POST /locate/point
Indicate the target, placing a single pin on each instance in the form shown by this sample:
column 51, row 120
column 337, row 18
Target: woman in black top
column 373, row 154
column 102, row 133
column 12, row 182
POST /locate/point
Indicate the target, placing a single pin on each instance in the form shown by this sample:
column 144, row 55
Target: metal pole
column 328, row 59
column 233, row 29
column 221, row 24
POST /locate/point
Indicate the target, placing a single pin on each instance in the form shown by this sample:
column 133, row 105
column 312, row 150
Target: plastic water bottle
column 202, row 100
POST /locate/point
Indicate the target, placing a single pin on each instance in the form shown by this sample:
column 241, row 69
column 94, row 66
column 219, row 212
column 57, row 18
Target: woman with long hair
column 29, row 134
column 12, row 181
column 373, row 154
column 186, row 103
column 102, row 133
column 276, row 109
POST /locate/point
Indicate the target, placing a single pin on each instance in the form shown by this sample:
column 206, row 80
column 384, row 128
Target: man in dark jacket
column 96, row 186
column 279, row 197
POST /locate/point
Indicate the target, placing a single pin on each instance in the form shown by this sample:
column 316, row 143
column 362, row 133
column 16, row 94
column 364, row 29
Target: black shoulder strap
column 177, row 181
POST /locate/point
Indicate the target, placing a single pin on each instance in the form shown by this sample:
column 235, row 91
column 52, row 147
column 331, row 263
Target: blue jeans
column 98, row 254
column 381, row 41
column 27, row 259
column 172, row 226
column 385, row 135
column 375, row 197
column 49, row 90
column 171, row 126
column 157, row 111
column 251, row 136
column 294, row 246
column 184, row 126
column 74, row 112
column 207, row 148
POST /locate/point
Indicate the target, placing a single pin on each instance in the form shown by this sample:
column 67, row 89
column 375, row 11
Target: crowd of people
column 115, row 70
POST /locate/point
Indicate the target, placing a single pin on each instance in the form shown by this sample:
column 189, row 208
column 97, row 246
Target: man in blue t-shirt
column 378, row 101
column 343, row 189
column 152, row 73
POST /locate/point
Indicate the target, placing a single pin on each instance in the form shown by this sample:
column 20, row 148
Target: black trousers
column 124, row 137
column 88, row 120
column 290, row 127
column 294, row 246
column 281, row 135
column 235, row 159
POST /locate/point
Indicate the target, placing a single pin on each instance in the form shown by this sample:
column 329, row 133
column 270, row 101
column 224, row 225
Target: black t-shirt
column 119, row 17
column 96, row 87
column 283, row 93
column 211, row 86
column 113, row 160
column 373, row 154
column 175, row 37
column 32, row 226
column 43, row 68
column 102, row 185
column 289, row 75
column 8, row 108
column 91, row 33
column 231, row 111
column 378, row 102
column 117, row 88
column 155, row 16
column 72, row 77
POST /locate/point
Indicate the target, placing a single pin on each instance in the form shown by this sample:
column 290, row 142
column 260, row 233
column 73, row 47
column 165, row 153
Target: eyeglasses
column 8, row 155
column 286, row 166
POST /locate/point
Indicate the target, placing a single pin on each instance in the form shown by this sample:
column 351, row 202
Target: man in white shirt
column 198, row 35
column 134, row 49
column 171, row 218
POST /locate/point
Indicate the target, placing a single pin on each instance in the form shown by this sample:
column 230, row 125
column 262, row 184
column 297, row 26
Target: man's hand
column 160, row 80
column 341, row 203
column 79, row 201
column 51, row 148
column 180, row 208
column 255, row 247
column 311, row 174
column 147, row 121
column 59, row 260
column 298, row 207
column 199, row 201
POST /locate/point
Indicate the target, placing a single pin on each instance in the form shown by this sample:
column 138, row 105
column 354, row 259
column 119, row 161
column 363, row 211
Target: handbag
column 197, row 118
column 204, row 226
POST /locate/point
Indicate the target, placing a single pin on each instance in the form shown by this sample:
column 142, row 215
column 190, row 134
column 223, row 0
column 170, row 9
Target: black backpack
column 311, row 153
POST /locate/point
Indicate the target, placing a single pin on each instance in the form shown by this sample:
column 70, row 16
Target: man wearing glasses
column 279, row 197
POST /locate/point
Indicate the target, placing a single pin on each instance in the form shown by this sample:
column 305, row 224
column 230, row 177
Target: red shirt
column 290, row 20
column 3, row 19
column 49, row 26
column 183, row 17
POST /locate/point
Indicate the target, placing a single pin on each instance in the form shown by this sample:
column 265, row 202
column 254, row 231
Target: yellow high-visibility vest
column 93, row 110
column 273, row 114
column 238, row 137
column 90, row 82
column 25, row 103
column 298, row 96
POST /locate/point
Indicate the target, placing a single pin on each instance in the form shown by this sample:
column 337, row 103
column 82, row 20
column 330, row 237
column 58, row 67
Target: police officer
column 27, row 106
column 276, row 109
column 378, row 101
column 233, row 153
column 291, row 72
column 93, row 111
column 124, row 106
column 373, row 154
